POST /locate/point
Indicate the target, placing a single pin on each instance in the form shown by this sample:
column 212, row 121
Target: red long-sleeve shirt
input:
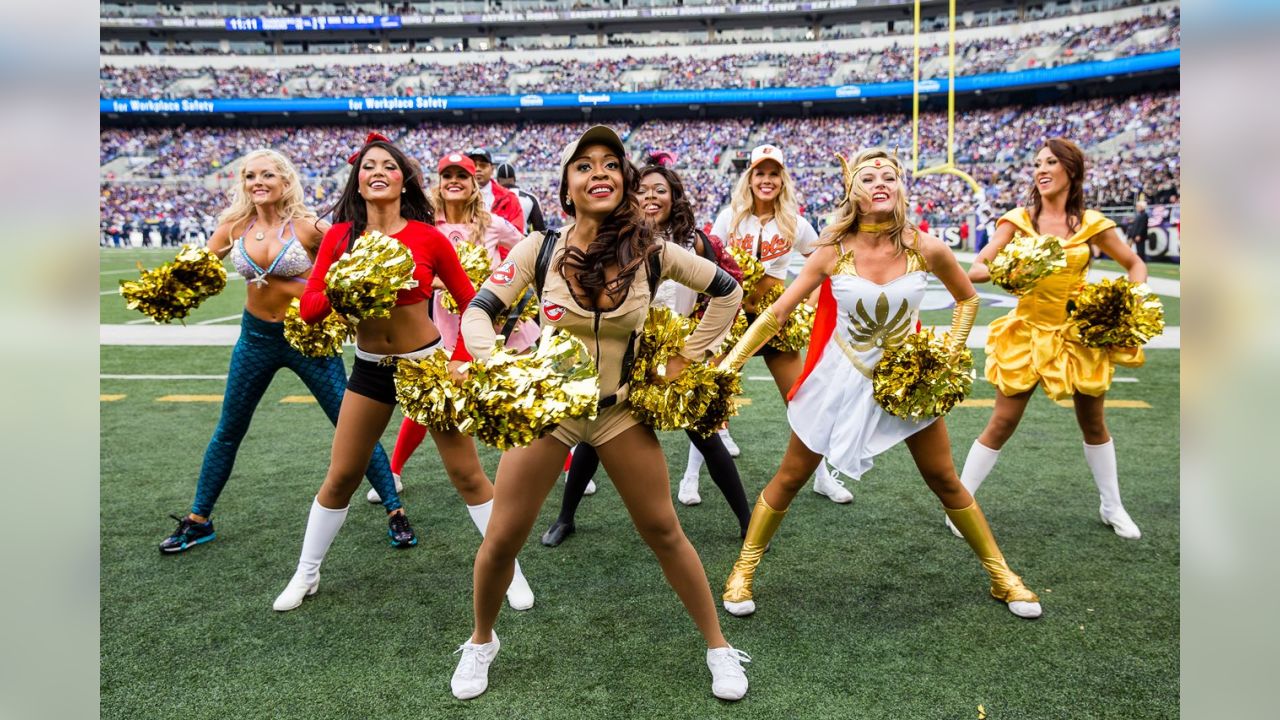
column 433, row 256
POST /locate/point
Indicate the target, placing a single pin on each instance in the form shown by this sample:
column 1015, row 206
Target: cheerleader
column 272, row 237
column 666, row 206
column 763, row 219
column 384, row 193
column 600, row 275
column 873, row 269
column 464, row 220
column 1035, row 345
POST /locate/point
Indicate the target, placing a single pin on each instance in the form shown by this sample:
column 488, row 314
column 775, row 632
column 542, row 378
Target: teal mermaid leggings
column 260, row 352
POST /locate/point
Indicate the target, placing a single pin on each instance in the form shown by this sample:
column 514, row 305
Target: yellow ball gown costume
column 1035, row 343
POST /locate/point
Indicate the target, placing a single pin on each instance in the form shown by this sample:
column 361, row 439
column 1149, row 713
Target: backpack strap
column 545, row 254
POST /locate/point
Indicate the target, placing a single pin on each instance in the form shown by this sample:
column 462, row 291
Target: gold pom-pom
column 173, row 290
column 364, row 282
column 324, row 339
column 701, row 398
column 530, row 310
column 1117, row 313
column 921, row 378
column 752, row 269
column 475, row 262
column 793, row 336
column 429, row 396
column 1025, row 260
column 516, row 399
column 739, row 327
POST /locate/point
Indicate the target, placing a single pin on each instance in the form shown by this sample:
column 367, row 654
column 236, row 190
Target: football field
column 867, row 610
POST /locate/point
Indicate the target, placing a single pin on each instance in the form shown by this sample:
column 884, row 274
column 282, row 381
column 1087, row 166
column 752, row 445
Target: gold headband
column 850, row 173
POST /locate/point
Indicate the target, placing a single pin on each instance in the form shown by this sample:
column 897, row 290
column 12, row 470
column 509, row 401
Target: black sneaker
column 188, row 535
column 400, row 531
column 557, row 533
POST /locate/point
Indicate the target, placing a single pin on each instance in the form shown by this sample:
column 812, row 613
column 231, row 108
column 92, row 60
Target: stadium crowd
column 662, row 72
column 1133, row 142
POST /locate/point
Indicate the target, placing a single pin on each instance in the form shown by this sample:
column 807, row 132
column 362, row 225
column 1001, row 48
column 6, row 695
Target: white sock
column 323, row 525
column 694, row 468
column 977, row 466
column 822, row 473
column 1102, row 463
column 480, row 516
column 723, row 432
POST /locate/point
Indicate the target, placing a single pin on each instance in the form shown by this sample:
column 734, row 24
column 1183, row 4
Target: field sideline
column 870, row 610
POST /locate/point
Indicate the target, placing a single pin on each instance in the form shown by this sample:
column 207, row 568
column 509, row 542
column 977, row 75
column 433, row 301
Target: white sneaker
column 376, row 499
column 729, row 444
column 826, row 484
column 688, row 492
column 1029, row 610
column 740, row 609
column 1120, row 521
column 471, row 678
column 294, row 592
column 591, row 488
column 728, row 680
column 519, row 594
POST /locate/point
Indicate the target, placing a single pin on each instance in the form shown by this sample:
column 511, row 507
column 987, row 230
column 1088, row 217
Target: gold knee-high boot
column 737, row 589
column 1006, row 586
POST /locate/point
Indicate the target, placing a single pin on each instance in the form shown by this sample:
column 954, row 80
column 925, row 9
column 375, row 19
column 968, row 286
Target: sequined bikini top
column 290, row 262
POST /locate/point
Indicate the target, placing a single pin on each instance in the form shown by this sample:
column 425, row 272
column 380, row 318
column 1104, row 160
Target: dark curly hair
column 624, row 240
column 414, row 203
column 681, row 224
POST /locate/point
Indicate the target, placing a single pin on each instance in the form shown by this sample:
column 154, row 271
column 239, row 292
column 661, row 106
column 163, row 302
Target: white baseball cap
column 760, row 153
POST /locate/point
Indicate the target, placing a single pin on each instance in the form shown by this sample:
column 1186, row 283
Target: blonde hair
column 786, row 207
column 474, row 211
column 847, row 218
column 292, row 204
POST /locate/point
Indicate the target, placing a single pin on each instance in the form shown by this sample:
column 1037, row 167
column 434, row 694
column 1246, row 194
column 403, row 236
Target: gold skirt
column 1021, row 354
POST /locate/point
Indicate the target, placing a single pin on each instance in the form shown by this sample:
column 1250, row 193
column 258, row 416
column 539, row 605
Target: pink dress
column 500, row 234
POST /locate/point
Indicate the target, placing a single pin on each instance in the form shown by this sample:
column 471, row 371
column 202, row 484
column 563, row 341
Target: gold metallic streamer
column 752, row 269
column 173, row 290
column 323, row 339
column 429, row 396
column 922, row 377
column 364, row 282
column 1117, row 313
column 1025, row 260
column 699, row 399
column 515, row 399
column 475, row 262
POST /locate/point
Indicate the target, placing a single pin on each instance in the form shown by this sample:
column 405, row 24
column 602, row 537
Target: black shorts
column 376, row 379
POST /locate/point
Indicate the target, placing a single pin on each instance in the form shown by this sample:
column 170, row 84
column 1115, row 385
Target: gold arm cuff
column 756, row 335
column 966, row 311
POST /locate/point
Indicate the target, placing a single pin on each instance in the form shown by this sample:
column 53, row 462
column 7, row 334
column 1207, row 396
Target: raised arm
column 706, row 277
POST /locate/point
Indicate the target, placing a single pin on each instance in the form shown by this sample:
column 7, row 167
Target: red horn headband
column 372, row 137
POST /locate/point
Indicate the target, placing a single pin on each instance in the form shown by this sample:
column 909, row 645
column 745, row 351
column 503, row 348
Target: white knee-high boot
column 977, row 466
column 519, row 594
column 323, row 525
column 1102, row 463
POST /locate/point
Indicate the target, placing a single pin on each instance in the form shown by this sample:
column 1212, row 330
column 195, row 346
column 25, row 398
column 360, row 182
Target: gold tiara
column 850, row 172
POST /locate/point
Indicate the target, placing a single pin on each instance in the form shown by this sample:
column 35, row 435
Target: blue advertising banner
column 428, row 103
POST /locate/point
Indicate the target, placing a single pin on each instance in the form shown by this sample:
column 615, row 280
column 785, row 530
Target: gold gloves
column 757, row 334
column 962, row 322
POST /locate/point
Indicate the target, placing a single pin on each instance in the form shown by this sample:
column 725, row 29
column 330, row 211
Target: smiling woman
column 384, row 193
column 272, row 237
column 602, row 274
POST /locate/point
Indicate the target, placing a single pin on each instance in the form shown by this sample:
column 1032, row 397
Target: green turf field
column 871, row 610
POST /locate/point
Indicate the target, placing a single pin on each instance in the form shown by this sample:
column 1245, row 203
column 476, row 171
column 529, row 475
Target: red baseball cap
column 457, row 159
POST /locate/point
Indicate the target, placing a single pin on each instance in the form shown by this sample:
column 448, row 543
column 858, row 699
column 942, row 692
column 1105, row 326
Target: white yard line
column 215, row 321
